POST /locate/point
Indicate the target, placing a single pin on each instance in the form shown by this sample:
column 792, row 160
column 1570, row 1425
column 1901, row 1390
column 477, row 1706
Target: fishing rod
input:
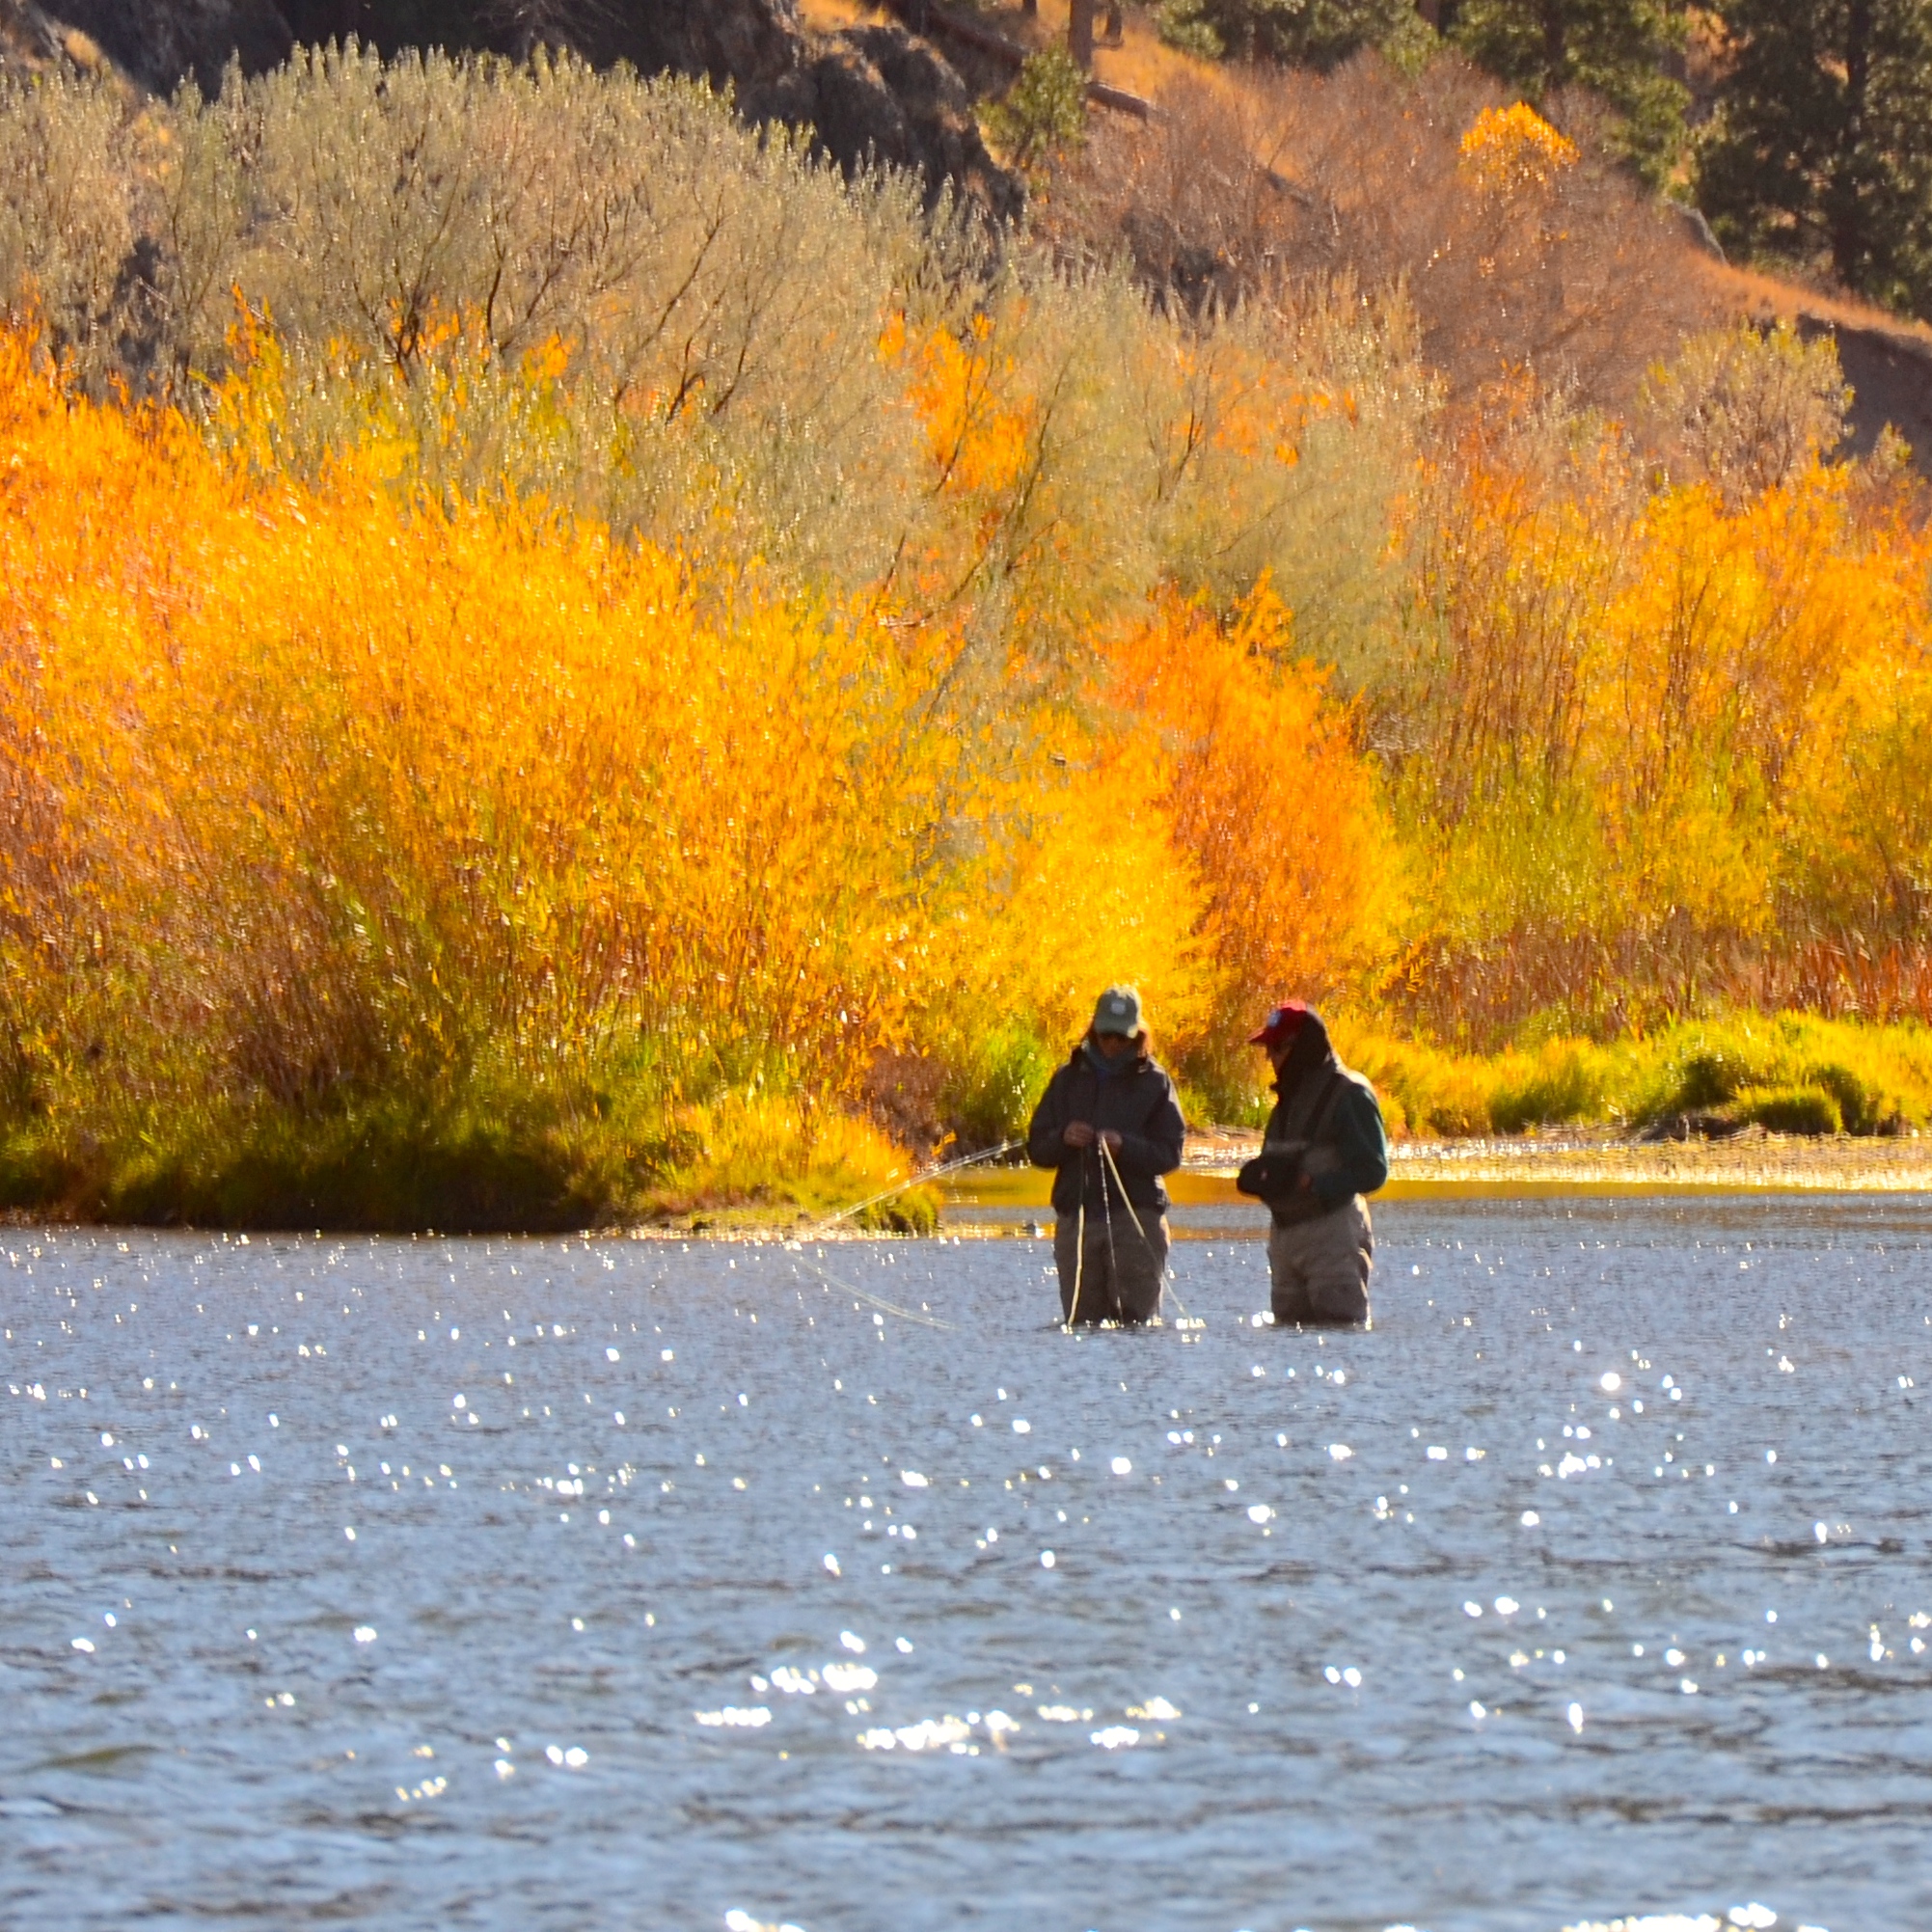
column 1107, row 1216
column 1079, row 1249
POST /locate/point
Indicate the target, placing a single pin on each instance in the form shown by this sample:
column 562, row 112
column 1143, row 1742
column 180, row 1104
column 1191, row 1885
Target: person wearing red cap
column 1323, row 1149
column 1110, row 1125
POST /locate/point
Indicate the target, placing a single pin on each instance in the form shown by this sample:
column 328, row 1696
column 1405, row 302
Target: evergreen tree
column 1316, row 32
column 1821, row 149
column 1618, row 48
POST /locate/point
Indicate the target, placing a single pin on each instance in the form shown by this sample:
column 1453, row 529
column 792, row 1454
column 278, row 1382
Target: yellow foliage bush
column 1650, row 774
column 573, row 730
column 1509, row 150
column 1274, row 805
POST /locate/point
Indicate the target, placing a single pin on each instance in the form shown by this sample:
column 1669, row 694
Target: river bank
column 834, row 1197
column 1527, row 1167
column 992, row 1202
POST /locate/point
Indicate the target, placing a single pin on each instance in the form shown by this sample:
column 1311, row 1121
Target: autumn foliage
column 583, row 756
column 318, row 791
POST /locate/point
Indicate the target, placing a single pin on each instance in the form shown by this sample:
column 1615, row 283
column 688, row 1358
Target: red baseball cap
column 1283, row 1025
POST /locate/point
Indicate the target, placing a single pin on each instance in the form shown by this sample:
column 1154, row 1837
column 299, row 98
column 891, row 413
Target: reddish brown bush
column 1516, row 255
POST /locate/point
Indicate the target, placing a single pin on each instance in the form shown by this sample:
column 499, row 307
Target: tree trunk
column 1556, row 45
column 1845, row 215
column 1081, row 32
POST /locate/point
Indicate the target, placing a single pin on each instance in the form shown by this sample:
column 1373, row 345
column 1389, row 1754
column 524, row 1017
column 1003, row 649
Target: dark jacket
column 1137, row 1102
column 1326, row 1123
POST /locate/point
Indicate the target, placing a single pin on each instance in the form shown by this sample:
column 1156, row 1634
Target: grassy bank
column 1789, row 1073
column 484, row 1159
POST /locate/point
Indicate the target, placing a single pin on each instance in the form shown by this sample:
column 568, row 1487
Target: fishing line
column 832, row 1280
column 1167, row 1275
column 918, row 1180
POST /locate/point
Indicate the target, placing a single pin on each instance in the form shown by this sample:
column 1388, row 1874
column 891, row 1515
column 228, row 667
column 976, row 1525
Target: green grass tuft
column 1832, row 1076
column 1808, row 1111
column 1567, row 1080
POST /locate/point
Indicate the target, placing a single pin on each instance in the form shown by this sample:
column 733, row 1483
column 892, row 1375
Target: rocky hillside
column 878, row 91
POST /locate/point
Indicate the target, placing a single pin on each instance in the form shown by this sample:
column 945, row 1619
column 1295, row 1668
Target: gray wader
column 1122, row 1286
column 1320, row 1267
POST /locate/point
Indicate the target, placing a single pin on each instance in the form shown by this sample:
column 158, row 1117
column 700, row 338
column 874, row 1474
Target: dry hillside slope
column 1241, row 172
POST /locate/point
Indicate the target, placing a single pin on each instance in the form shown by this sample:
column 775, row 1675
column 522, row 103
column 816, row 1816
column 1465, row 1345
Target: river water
column 622, row 1584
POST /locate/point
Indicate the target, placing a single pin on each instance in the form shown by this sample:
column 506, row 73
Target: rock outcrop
column 1889, row 371
column 872, row 95
column 754, row 43
column 166, row 42
column 878, row 96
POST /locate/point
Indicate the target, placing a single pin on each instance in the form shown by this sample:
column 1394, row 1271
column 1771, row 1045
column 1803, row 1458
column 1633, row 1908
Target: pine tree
column 1317, row 32
column 1618, row 48
column 1821, row 149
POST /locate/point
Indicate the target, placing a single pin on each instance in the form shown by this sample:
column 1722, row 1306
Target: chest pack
column 1274, row 1175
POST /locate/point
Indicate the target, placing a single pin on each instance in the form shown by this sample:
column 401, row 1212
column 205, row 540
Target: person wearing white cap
column 1110, row 1127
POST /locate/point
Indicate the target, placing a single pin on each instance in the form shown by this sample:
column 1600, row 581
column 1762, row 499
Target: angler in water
column 1109, row 1123
column 1323, row 1149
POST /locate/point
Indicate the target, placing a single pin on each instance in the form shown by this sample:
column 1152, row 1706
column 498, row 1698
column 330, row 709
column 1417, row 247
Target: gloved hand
column 1270, row 1176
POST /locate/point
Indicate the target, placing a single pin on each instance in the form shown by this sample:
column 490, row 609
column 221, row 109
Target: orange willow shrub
column 316, row 789
column 326, row 792
column 1270, row 800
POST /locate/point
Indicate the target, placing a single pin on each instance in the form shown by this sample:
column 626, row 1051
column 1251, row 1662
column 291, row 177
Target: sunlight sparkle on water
column 664, row 1607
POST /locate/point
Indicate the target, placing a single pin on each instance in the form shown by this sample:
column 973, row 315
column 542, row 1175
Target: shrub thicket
column 603, row 634
column 611, row 642
column 1515, row 247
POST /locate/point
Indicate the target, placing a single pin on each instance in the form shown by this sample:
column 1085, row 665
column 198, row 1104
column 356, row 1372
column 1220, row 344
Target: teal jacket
column 1360, row 1140
column 1326, row 1123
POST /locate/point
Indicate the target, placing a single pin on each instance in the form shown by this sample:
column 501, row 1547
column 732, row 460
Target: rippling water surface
column 609, row 1583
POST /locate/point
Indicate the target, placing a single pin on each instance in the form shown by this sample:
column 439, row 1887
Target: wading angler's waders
column 1109, row 1166
column 1166, row 1284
